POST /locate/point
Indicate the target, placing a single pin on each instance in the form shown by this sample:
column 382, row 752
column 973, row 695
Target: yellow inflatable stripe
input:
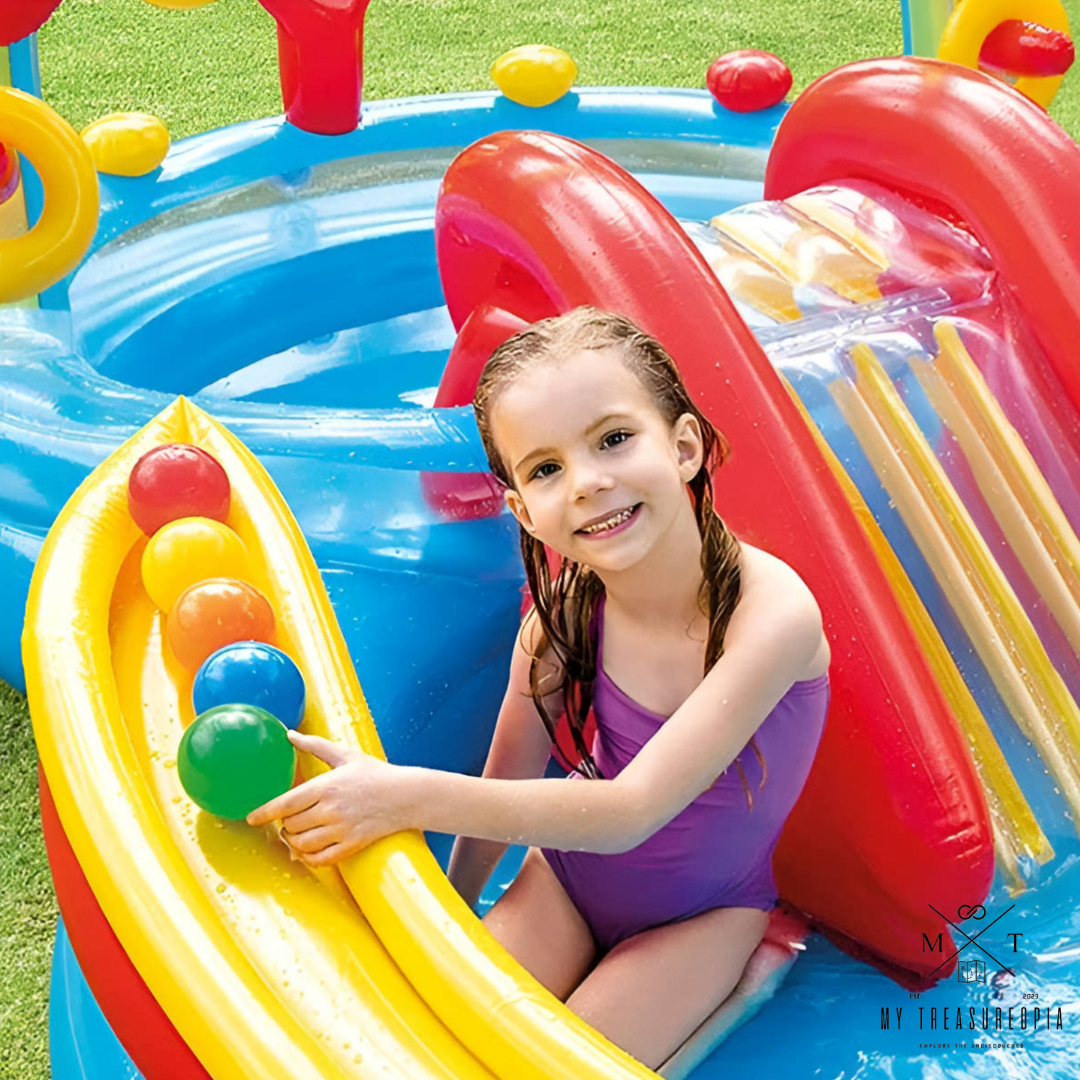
column 817, row 208
column 1052, row 555
column 1019, row 529
column 264, row 972
column 515, row 1026
column 992, row 616
column 749, row 278
column 1014, row 825
column 809, row 254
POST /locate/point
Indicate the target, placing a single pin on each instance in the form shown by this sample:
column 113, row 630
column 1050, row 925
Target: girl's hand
column 331, row 816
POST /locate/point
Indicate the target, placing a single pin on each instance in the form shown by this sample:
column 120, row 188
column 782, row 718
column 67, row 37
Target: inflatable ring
column 971, row 22
column 53, row 247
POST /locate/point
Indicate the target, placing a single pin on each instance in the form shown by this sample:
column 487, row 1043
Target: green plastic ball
column 234, row 758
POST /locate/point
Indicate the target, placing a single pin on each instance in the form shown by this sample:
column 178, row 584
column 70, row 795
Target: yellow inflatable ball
column 127, row 143
column 534, row 75
column 187, row 551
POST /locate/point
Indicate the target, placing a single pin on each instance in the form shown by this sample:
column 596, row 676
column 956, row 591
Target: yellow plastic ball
column 534, row 75
column 189, row 550
column 127, row 143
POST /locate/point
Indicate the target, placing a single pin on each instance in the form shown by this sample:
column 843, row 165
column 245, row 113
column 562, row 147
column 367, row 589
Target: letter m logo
column 927, row 943
column 884, row 1019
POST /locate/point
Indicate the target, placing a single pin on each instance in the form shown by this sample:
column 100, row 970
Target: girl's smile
column 601, row 528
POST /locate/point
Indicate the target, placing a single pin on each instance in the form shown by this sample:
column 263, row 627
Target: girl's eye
column 537, row 472
column 615, row 434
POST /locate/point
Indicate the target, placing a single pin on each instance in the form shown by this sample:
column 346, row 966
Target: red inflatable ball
column 9, row 173
column 176, row 481
column 22, row 18
column 1023, row 48
column 748, row 79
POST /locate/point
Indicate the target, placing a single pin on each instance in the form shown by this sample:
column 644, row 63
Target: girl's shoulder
column 760, row 569
column 766, row 577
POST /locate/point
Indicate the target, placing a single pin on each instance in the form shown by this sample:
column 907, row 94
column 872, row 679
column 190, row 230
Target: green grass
column 217, row 65
column 27, row 905
column 427, row 46
column 430, row 46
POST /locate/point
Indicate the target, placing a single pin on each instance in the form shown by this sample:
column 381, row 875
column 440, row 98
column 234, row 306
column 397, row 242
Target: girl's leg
column 653, row 990
column 538, row 924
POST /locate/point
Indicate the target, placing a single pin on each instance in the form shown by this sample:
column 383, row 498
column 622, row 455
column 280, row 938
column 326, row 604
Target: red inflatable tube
column 320, row 59
column 893, row 817
column 968, row 147
column 137, row 1020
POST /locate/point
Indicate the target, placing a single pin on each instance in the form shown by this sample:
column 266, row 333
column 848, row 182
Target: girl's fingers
column 292, row 802
column 312, row 841
column 328, row 856
column 311, row 818
column 325, row 750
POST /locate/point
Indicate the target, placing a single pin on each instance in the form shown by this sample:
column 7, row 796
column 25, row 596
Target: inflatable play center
column 873, row 291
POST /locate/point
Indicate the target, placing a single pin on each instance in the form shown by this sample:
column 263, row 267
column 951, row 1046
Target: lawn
column 217, row 65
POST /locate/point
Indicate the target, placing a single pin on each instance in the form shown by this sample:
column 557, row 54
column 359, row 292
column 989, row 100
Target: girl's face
column 586, row 447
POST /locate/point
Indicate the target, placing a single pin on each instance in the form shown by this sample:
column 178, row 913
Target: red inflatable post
column 21, row 18
column 893, row 818
column 137, row 1020
column 320, row 57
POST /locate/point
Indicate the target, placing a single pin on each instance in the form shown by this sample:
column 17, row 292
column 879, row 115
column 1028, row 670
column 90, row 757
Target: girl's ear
column 689, row 446
column 517, row 508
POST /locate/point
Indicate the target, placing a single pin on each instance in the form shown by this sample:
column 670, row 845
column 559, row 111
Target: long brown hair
column 566, row 626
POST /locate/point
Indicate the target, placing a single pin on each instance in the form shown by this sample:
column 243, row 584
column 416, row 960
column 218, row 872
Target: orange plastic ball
column 189, row 550
column 212, row 614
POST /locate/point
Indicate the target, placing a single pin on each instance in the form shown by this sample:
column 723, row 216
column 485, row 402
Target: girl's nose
column 589, row 478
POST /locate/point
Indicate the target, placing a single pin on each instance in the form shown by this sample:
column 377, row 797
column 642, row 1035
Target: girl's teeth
column 611, row 523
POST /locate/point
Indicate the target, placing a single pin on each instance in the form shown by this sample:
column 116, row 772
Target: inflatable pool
column 882, row 328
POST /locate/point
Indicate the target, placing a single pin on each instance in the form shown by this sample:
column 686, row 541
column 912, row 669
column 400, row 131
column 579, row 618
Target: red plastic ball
column 22, row 18
column 214, row 613
column 748, row 79
column 177, row 481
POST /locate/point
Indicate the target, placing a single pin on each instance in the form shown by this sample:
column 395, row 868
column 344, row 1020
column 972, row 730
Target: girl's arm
column 771, row 638
column 520, row 749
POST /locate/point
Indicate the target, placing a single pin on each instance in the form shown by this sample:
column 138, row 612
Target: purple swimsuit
column 716, row 852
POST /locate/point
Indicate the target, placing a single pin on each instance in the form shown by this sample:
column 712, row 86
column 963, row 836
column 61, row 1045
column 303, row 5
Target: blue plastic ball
column 251, row 673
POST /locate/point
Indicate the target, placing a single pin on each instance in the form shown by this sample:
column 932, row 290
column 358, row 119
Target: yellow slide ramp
column 266, row 969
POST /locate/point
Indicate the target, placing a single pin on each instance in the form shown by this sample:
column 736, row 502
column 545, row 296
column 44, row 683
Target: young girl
column 644, row 891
